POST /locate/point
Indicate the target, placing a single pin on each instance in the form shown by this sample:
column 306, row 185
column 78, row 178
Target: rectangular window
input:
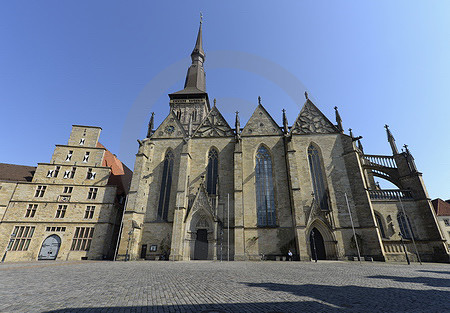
column 82, row 238
column 56, row 228
column 40, row 190
column 31, row 210
column 86, row 157
column 61, row 211
column 21, row 238
column 67, row 174
column 89, row 213
column 56, row 172
column 81, row 141
column 72, row 173
column 69, row 156
column 92, row 194
column 50, row 173
column 67, row 189
column 90, row 174
column 447, row 222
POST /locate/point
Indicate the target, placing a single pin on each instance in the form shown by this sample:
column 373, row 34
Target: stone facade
column 442, row 209
column 318, row 183
column 72, row 207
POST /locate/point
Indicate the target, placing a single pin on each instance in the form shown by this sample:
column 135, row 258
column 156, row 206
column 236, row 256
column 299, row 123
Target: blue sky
column 100, row 62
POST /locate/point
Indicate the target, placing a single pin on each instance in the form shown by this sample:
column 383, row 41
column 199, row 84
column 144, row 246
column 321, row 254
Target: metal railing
column 379, row 160
column 390, row 194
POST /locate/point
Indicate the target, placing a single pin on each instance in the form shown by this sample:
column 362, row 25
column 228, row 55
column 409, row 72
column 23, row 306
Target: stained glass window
column 265, row 200
column 380, row 225
column 404, row 229
column 212, row 170
column 320, row 192
column 166, row 183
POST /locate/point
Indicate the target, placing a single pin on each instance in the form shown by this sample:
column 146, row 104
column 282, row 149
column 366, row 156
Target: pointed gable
column 312, row 121
column 213, row 125
column 170, row 128
column 261, row 123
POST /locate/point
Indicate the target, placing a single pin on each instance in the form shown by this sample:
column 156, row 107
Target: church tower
column 191, row 104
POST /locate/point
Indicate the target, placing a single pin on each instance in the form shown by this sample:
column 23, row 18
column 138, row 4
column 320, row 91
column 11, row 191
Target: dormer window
column 82, row 141
column 69, row 156
column 86, row 157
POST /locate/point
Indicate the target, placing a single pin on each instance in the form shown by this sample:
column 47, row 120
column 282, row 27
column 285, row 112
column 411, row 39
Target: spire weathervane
column 201, row 18
column 306, row 95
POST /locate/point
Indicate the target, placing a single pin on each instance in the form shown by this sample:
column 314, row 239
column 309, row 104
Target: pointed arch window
column 265, row 200
column 315, row 167
column 403, row 224
column 380, row 225
column 212, row 172
column 166, row 183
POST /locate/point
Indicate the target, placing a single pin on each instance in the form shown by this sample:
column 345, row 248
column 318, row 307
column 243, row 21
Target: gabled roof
column 171, row 127
column 441, row 207
column 312, row 121
column 213, row 125
column 16, row 173
column 261, row 123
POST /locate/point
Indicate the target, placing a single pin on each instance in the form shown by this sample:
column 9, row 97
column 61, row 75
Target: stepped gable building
column 442, row 209
column 68, row 209
column 204, row 190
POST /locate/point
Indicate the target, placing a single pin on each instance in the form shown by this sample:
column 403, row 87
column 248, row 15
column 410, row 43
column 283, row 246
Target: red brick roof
column 120, row 173
column 16, row 173
column 441, row 207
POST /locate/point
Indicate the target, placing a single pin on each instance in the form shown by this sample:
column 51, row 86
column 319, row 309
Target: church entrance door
column 201, row 245
column 317, row 245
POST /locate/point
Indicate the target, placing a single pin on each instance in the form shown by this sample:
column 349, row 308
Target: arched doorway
column 50, row 248
column 317, row 245
column 201, row 245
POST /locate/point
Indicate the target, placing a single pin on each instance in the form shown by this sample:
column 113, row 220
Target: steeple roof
column 195, row 79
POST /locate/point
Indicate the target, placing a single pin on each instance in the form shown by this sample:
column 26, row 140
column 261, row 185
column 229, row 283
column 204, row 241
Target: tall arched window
column 212, row 170
column 404, row 229
column 265, row 200
column 166, row 183
column 380, row 225
column 320, row 192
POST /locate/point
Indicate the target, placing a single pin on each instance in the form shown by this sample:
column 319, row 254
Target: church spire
column 195, row 78
column 391, row 140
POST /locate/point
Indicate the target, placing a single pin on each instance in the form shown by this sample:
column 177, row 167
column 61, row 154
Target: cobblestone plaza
column 205, row 286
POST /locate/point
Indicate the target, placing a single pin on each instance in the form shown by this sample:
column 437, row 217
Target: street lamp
column 130, row 233
column 11, row 240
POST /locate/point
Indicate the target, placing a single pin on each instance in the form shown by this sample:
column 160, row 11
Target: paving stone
column 157, row 286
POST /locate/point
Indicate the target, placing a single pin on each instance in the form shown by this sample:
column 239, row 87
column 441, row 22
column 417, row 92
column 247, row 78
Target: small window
column 89, row 213
column 82, row 238
column 68, row 189
column 82, row 141
column 61, row 211
column 56, row 172
column 380, row 225
column 21, row 238
column 90, row 174
column 92, row 194
column 31, row 210
column 447, row 222
column 69, row 156
column 72, row 173
column 50, row 173
column 40, row 190
column 86, row 157
column 67, row 174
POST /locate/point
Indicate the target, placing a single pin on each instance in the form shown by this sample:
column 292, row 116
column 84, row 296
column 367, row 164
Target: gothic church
column 204, row 190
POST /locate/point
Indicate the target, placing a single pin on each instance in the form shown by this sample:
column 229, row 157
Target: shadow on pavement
column 436, row 272
column 317, row 298
column 429, row 281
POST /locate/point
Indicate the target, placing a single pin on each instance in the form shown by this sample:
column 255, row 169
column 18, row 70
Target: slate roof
column 441, row 207
column 16, row 173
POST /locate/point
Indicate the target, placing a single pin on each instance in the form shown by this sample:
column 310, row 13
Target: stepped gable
column 213, row 125
column 312, row 121
column 261, row 123
column 169, row 128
